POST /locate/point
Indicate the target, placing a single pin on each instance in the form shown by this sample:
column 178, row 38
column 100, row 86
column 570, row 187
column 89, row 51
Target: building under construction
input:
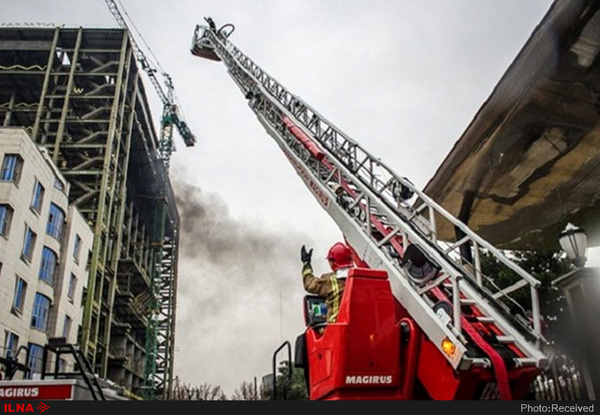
column 79, row 93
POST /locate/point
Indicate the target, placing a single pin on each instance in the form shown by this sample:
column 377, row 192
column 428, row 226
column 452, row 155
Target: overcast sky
column 404, row 78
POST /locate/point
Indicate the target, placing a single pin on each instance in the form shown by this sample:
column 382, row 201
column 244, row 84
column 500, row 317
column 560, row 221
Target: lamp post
column 573, row 241
column 581, row 333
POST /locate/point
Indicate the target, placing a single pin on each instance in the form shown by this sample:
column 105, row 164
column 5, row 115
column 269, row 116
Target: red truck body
column 375, row 351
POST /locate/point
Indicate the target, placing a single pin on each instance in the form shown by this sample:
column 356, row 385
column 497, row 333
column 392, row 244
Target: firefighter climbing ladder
column 444, row 290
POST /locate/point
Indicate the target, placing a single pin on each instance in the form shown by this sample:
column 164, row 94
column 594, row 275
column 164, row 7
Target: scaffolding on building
column 79, row 92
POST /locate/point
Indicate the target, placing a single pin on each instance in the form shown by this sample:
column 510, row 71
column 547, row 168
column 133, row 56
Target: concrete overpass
column 529, row 162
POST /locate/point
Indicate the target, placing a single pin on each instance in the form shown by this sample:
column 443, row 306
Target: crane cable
column 154, row 65
column 139, row 35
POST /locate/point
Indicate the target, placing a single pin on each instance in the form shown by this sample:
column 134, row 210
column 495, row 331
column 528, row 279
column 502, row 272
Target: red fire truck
column 419, row 319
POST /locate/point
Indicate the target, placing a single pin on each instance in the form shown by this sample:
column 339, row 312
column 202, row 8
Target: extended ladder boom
column 444, row 290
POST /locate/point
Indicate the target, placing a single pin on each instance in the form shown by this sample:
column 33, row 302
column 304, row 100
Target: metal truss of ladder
column 369, row 202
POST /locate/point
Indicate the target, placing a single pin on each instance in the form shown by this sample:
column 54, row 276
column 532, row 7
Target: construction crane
column 160, row 276
column 170, row 116
column 458, row 335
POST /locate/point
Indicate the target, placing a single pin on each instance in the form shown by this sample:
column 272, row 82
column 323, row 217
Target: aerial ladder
column 470, row 338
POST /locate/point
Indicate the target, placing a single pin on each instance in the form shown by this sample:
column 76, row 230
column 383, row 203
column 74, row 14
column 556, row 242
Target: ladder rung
column 481, row 362
column 505, row 339
column 485, row 319
column 525, row 361
column 467, row 301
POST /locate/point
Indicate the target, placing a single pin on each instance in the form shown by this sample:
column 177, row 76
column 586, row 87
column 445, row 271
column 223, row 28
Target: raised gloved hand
column 306, row 256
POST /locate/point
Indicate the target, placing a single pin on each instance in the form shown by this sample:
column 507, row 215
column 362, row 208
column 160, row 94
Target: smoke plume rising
column 239, row 293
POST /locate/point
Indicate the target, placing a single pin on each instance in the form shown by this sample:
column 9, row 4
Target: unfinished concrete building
column 79, row 93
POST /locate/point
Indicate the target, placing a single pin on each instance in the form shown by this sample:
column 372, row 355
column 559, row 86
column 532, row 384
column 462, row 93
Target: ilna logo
column 24, row 407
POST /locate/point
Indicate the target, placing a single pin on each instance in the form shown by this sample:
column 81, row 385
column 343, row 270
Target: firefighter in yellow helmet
column 329, row 285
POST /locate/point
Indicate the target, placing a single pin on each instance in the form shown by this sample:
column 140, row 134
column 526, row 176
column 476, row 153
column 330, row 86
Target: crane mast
column 456, row 305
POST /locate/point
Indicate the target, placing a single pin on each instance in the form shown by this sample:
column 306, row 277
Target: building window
column 72, row 287
column 6, row 213
column 35, row 360
column 67, row 327
column 56, row 221
column 19, row 298
column 11, row 343
column 38, row 197
column 48, row 266
column 41, row 310
column 77, row 248
column 28, row 244
column 59, row 185
column 11, row 168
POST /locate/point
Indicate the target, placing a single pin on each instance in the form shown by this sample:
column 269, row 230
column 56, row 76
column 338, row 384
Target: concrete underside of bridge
column 529, row 162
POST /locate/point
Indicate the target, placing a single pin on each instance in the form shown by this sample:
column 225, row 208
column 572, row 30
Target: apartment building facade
column 44, row 247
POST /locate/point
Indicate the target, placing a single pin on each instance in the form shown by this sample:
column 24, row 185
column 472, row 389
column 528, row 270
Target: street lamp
column 573, row 241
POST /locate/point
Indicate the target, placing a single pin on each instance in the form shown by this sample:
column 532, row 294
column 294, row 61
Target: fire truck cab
column 360, row 356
